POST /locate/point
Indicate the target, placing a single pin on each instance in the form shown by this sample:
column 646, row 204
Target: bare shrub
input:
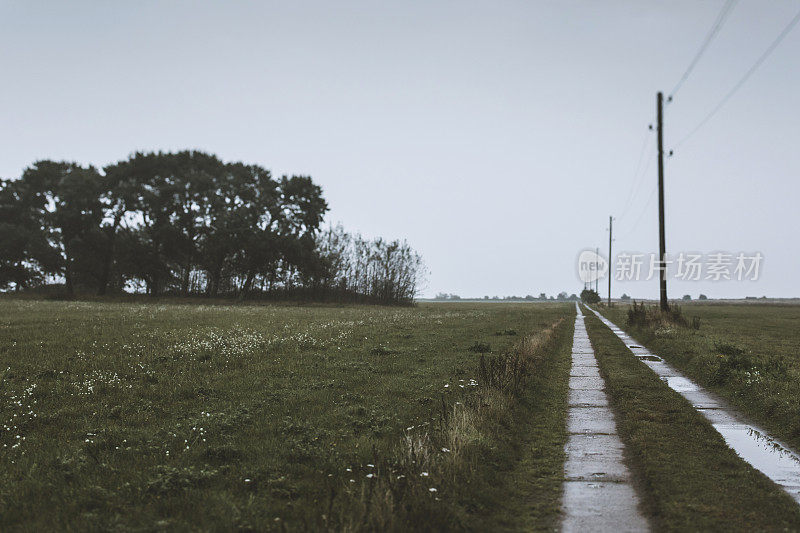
column 378, row 270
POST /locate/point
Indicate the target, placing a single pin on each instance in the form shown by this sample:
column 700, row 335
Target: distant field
column 148, row 416
column 747, row 352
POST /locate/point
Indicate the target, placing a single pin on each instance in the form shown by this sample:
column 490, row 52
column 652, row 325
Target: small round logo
column 591, row 266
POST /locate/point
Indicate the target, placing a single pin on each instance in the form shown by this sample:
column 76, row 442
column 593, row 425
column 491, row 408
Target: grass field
column 748, row 353
column 180, row 416
column 161, row 416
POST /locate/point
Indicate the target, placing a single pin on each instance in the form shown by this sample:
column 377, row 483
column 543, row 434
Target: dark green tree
column 589, row 296
column 66, row 198
column 26, row 253
column 188, row 223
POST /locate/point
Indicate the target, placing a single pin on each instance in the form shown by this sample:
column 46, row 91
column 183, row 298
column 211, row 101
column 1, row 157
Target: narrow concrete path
column 751, row 443
column 598, row 494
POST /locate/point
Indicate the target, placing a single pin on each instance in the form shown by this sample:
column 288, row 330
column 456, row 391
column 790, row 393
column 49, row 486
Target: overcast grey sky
column 496, row 137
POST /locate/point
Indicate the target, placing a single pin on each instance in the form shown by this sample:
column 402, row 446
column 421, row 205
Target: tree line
column 562, row 297
column 185, row 224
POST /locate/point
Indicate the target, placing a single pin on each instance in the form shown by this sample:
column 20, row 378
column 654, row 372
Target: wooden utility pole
column 610, row 238
column 662, row 245
column 596, row 276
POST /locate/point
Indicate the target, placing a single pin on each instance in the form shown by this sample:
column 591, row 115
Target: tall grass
column 407, row 487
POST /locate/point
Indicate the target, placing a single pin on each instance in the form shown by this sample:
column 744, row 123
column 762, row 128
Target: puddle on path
column 680, row 383
column 765, row 454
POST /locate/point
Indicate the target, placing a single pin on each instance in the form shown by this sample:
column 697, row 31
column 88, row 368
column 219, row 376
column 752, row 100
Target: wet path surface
column 598, row 495
column 752, row 444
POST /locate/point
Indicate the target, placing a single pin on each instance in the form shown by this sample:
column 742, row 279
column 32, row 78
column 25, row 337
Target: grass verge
column 531, row 492
column 502, row 461
column 690, row 479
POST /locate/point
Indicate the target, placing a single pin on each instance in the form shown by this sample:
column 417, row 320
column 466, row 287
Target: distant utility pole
column 610, row 239
column 596, row 277
column 662, row 245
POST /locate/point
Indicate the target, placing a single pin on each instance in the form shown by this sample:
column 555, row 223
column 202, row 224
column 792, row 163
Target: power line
column 635, row 183
column 744, row 78
column 644, row 210
column 639, row 182
column 712, row 32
